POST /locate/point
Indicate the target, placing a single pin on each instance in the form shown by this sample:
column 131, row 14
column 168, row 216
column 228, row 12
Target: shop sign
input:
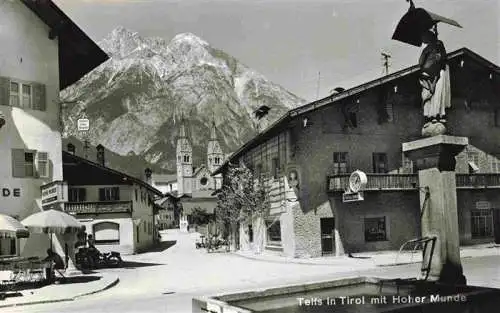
column 352, row 196
column 54, row 193
column 11, row 192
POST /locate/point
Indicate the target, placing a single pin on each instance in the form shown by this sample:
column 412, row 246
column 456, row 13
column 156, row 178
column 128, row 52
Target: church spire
column 182, row 128
column 213, row 131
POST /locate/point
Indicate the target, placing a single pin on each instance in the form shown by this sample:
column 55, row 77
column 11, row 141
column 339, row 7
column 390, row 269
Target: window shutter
column 18, row 169
column 116, row 191
column 4, row 91
column 39, row 98
column 42, row 164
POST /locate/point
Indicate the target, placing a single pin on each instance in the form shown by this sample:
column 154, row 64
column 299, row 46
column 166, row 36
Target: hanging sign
column 352, row 196
column 83, row 124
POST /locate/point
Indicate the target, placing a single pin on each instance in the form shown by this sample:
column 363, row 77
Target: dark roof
column 69, row 157
column 332, row 99
column 78, row 54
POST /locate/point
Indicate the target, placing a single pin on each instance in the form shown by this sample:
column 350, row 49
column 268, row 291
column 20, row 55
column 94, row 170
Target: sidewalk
column 371, row 259
column 62, row 292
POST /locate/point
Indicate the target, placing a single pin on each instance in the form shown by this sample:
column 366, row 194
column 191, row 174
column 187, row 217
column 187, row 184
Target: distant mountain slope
column 135, row 100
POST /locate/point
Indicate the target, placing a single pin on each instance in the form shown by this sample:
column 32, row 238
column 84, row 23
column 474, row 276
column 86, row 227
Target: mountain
column 136, row 100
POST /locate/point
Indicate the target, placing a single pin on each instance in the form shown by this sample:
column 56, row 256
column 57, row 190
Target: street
column 166, row 281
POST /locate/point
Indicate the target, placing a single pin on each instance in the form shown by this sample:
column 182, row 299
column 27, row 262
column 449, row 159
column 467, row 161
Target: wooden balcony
column 376, row 182
column 478, row 181
column 389, row 182
column 102, row 207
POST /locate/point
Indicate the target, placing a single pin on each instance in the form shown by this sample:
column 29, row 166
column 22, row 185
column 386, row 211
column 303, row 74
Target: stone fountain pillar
column 435, row 160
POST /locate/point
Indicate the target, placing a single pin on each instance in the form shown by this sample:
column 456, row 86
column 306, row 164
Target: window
column 339, row 163
column 250, row 233
column 408, row 165
column 375, row 229
column 353, row 119
column 77, row 194
column 26, row 96
column 380, row 163
column 275, row 167
column 137, row 231
column 107, row 233
column 273, row 232
column 203, row 181
column 136, row 196
column 481, row 223
column 258, row 170
column 495, row 164
column 14, row 94
column 497, row 118
column 29, row 164
column 217, row 160
column 13, row 250
column 473, row 160
column 109, row 194
column 23, row 163
column 186, row 158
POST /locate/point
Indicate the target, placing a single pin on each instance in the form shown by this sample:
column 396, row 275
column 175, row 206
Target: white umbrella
column 12, row 228
column 52, row 222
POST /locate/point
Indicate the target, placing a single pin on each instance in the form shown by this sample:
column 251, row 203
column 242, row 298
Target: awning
column 207, row 205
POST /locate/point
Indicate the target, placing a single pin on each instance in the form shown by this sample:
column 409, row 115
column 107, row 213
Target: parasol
column 52, row 222
column 12, row 228
column 415, row 22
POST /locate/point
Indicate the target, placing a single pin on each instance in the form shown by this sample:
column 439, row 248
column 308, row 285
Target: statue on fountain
column 435, row 83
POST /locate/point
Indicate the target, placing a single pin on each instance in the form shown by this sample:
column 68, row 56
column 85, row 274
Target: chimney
column 71, row 148
column 100, row 155
column 147, row 174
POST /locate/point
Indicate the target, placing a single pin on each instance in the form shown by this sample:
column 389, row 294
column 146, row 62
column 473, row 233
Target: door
column 496, row 225
column 327, row 236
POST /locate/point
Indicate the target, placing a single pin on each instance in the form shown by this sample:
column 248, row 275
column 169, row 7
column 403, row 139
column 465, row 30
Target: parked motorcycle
column 92, row 258
column 201, row 244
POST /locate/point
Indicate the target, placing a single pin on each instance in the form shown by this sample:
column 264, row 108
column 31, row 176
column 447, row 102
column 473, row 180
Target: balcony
column 395, row 182
column 478, row 181
column 101, row 207
column 376, row 182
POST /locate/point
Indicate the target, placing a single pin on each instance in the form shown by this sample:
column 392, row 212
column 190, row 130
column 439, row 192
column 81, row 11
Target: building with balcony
column 42, row 52
column 314, row 148
column 117, row 209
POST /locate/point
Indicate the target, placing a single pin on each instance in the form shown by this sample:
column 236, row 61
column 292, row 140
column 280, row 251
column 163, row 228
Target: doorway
column 327, row 235
column 496, row 225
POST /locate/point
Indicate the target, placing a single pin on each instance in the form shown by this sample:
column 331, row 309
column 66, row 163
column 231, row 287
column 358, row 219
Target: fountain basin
column 360, row 294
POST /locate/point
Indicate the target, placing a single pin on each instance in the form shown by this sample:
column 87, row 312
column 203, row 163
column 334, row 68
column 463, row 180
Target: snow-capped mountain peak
column 135, row 99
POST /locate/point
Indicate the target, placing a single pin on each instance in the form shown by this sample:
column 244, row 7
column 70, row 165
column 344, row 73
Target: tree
column 240, row 200
column 200, row 216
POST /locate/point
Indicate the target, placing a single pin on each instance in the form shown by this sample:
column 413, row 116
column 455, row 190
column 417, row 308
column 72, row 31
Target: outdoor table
column 24, row 269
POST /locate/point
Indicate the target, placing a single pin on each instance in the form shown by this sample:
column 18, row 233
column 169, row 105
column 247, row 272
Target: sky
column 307, row 46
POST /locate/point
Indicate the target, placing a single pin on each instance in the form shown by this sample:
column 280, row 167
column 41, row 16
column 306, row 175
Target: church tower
column 184, row 153
column 215, row 157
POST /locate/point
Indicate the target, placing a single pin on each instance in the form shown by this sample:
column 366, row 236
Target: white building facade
column 32, row 72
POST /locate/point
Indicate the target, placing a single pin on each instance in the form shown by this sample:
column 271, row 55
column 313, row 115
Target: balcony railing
column 337, row 183
column 376, row 182
column 98, row 207
column 473, row 181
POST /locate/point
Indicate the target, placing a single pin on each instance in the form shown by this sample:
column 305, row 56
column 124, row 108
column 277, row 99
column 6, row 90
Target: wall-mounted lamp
column 357, row 101
column 462, row 63
column 491, row 75
column 395, row 89
column 306, row 122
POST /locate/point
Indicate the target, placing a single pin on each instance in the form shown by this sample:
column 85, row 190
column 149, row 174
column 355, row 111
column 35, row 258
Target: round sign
column 83, row 124
column 357, row 181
